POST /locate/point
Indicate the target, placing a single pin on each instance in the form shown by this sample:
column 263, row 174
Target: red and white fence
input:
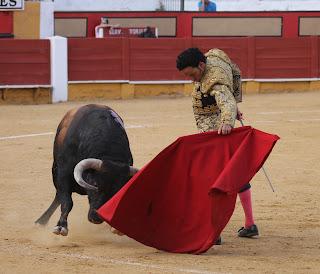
column 59, row 60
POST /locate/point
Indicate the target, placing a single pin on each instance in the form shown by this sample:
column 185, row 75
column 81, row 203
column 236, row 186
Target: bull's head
column 106, row 179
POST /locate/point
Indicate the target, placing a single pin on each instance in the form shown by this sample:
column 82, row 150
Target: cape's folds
column 183, row 198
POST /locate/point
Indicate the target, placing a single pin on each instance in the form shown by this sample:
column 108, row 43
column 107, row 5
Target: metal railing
column 171, row 5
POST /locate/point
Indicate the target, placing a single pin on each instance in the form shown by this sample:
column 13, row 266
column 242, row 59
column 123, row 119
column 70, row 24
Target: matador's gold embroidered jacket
column 214, row 95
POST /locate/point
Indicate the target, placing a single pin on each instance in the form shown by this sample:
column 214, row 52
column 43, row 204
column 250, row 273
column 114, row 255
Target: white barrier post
column 59, row 68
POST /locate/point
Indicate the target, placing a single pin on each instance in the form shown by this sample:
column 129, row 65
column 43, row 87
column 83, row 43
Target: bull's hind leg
column 66, row 205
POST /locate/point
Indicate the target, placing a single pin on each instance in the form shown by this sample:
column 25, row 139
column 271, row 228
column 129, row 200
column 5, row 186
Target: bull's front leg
column 66, row 205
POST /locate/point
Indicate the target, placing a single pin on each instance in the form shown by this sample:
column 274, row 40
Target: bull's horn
column 82, row 166
column 133, row 170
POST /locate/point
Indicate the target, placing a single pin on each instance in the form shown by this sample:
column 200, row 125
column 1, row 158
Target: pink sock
column 245, row 198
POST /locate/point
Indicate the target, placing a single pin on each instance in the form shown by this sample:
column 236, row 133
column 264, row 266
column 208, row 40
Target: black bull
column 91, row 156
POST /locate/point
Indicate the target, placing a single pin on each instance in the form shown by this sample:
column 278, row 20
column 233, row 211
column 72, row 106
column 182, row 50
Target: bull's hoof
column 60, row 230
column 116, row 231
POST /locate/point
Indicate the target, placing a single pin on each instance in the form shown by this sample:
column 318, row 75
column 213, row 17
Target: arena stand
column 281, row 53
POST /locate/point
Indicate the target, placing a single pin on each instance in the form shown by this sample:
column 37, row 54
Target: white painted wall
column 59, row 68
column 190, row 5
column 259, row 5
column 46, row 19
column 106, row 5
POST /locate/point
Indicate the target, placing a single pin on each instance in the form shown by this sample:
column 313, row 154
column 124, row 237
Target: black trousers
column 245, row 187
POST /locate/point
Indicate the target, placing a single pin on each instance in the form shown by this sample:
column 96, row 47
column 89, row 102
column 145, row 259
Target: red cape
column 183, row 198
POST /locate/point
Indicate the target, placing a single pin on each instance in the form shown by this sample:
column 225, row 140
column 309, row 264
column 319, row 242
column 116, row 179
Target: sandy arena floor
column 289, row 219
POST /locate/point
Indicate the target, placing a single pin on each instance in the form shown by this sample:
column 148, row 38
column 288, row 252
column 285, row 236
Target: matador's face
column 194, row 73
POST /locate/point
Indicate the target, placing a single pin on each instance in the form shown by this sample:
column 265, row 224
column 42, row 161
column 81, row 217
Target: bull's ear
column 118, row 169
column 115, row 168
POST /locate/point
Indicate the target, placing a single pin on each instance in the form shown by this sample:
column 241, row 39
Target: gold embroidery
column 213, row 99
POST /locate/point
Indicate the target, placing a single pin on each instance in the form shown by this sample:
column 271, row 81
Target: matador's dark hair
column 190, row 58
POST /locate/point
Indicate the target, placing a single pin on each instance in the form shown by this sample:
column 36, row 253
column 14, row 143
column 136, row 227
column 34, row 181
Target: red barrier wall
column 290, row 20
column 152, row 59
column 270, row 57
column 97, row 59
column 123, row 59
column 24, row 62
column 139, row 59
column 6, row 22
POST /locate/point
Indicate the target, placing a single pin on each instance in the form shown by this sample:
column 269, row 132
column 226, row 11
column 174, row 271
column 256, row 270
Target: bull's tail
column 44, row 218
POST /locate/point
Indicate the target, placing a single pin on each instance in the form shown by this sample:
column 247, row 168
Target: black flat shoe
column 248, row 232
column 218, row 241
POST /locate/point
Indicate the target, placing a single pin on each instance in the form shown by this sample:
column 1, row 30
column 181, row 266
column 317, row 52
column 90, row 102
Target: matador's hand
column 224, row 129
